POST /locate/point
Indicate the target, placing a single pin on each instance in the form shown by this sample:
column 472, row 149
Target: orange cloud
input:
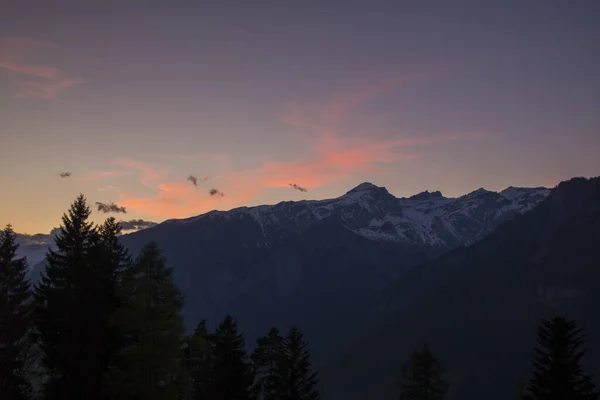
column 180, row 201
column 12, row 50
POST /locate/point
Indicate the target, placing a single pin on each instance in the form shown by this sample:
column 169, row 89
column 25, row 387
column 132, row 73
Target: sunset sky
column 132, row 97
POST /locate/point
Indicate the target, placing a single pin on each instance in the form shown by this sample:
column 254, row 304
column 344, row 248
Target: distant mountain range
column 371, row 274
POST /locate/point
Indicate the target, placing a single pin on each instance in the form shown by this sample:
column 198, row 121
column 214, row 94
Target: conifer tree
column 196, row 350
column 422, row 377
column 231, row 375
column 292, row 378
column 15, row 320
column 66, row 313
column 556, row 372
column 116, row 260
column 264, row 359
column 150, row 363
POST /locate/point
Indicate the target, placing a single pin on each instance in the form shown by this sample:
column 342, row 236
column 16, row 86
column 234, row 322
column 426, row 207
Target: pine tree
column 422, row 377
column 264, row 359
column 66, row 315
column 149, row 365
column 15, row 320
column 556, row 372
column 231, row 375
column 292, row 378
column 196, row 350
column 116, row 260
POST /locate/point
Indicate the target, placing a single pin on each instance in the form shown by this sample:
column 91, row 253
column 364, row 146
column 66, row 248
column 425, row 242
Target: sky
column 132, row 97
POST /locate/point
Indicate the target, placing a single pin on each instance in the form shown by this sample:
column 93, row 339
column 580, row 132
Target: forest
column 103, row 324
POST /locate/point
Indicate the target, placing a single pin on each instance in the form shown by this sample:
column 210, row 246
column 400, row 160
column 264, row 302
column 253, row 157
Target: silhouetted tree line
column 101, row 325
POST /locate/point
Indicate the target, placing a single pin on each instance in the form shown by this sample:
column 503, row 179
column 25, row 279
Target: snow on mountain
column 427, row 218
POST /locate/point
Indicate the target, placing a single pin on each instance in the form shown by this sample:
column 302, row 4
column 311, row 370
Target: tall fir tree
column 231, row 374
column 556, row 371
column 264, row 359
column 292, row 378
column 422, row 377
column 15, row 320
column 68, row 310
column 150, row 363
column 115, row 259
column 196, row 351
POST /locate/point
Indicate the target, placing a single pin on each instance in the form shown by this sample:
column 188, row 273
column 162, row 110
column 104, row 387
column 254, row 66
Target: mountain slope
column 478, row 305
column 305, row 261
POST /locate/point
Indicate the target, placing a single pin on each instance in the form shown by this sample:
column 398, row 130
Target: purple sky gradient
column 134, row 96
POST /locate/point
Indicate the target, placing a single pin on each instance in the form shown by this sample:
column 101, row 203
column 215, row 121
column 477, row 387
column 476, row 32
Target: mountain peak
column 479, row 192
column 364, row 186
column 427, row 195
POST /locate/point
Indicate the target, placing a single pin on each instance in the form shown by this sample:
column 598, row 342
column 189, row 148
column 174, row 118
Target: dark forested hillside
column 479, row 305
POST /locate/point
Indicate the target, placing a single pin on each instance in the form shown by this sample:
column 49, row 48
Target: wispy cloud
column 51, row 81
column 93, row 176
column 149, row 173
column 331, row 156
column 32, row 70
column 108, row 188
column 47, row 90
column 353, row 98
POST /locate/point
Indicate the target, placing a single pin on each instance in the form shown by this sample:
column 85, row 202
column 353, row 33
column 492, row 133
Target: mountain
column 320, row 264
column 34, row 247
column 307, row 260
column 427, row 218
column 478, row 306
column 301, row 261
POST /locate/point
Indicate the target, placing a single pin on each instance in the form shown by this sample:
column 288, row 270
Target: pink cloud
column 47, row 90
column 332, row 157
column 341, row 105
column 149, row 174
column 52, row 82
column 93, row 176
column 38, row 71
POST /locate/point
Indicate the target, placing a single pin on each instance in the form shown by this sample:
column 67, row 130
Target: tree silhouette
column 422, row 377
column 231, row 375
column 15, row 320
column 264, row 360
column 149, row 365
column 197, row 356
column 69, row 310
column 556, row 372
column 292, row 378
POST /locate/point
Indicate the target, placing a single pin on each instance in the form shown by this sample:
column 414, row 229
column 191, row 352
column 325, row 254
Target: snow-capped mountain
column 329, row 256
column 427, row 218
